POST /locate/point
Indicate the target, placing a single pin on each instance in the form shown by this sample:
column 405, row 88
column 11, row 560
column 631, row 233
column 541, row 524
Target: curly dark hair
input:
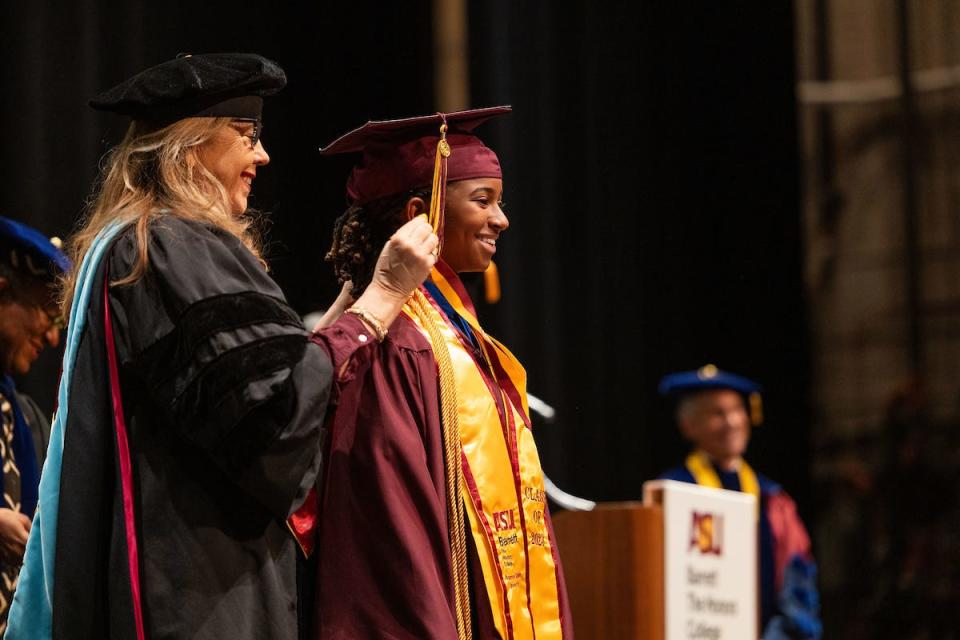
column 360, row 233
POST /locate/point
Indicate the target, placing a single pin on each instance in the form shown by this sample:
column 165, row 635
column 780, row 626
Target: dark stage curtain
column 652, row 186
column 651, row 180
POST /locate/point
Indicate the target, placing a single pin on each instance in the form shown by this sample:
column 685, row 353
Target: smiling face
column 232, row 157
column 473, row 220
column 716, row 421
column 26, row 325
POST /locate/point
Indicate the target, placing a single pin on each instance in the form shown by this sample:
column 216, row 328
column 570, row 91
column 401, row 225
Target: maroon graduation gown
column 384, row 568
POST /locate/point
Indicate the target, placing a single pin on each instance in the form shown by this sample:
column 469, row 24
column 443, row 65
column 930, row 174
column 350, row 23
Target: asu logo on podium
column 706, row 533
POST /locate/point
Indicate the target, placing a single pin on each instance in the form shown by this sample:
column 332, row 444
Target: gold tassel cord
column 450, row 421
column 450, row 418
column 438, row 190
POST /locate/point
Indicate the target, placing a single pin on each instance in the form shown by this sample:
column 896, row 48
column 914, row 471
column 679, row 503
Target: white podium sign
column 710, row 561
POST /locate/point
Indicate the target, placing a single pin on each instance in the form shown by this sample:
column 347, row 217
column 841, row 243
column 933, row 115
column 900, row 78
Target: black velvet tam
column 210, row 84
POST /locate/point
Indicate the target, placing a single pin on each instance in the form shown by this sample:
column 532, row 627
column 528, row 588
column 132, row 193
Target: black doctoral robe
column 224, row 398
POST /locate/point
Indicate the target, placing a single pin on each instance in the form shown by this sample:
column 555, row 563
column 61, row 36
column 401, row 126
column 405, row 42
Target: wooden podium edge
column 613, row 565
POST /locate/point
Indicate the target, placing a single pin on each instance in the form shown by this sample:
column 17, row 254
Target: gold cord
column 438, row 189
column 450, row 420
column 449, row 412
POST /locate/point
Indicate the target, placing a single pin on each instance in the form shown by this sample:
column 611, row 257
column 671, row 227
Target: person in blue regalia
column 715, row 412
column 29, row 322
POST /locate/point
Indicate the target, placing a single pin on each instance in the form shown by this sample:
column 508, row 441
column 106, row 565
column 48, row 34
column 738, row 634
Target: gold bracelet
column 371, row 320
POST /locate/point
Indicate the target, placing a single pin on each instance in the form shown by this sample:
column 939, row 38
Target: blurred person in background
column 30, row 321
column 715, row 412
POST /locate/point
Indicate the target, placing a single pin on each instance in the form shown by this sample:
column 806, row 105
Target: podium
column 683, row 564
column 613, row 564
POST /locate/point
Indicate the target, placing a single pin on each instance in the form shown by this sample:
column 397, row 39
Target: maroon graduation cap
column 401, row 155
column 410, row 153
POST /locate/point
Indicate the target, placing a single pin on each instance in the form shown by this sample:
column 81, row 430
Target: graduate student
column 445, row 531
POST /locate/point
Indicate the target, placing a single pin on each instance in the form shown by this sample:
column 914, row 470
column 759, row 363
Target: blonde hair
column 153, row 170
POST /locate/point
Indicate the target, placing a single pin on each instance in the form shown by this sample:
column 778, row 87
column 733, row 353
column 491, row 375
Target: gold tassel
column 438, row 193
column 756, row 409
column 450, row 419
column 491, row 283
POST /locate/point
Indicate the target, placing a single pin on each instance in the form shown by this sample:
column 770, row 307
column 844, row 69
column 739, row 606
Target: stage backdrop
column 652, row 179
column 651, row 182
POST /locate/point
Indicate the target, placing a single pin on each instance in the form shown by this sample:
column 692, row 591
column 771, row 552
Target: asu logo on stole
column 503, row 520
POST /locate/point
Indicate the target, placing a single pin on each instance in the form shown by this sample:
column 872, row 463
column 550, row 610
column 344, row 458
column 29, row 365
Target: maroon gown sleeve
column 383, row 556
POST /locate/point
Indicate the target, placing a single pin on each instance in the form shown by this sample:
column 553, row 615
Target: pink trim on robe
column 126, row 467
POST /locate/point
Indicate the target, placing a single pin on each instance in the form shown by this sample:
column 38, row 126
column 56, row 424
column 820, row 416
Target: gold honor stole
column 699, row 465
column 501, row 476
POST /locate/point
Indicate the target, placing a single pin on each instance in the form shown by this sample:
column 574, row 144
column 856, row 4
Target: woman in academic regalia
column 192, row 400
column 444, row 532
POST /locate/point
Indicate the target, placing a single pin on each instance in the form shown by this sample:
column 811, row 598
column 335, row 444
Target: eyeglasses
column 57, row 321
column 41, row 298
column 52, row 313
column 254, row 137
